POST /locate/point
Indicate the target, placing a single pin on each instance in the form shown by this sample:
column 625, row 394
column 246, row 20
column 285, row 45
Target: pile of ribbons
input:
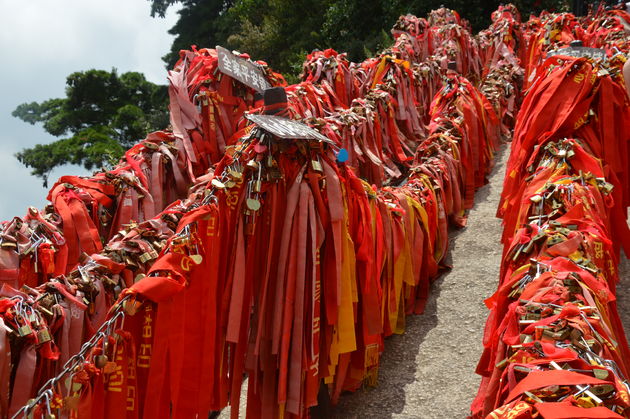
column 71, row 260
column 301, row 280
column 332, row 71
column 602, row 29
column 207, row 105
column 86, row 213
column 554, row 346
column 283, row 264
column 499, row 50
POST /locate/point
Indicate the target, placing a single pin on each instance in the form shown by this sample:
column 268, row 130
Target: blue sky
column 41, row 42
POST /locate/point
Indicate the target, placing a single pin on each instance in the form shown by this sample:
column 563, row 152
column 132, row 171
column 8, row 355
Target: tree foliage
column 101, row 116
column 104, row 113
column 281, row 32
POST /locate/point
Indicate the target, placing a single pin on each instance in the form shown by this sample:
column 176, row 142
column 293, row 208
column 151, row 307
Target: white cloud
column 41, row 42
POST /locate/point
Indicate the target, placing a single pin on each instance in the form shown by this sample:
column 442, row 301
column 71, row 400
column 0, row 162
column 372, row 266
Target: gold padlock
column 217, row 183
column 25, row 330
column 603, row 389
column 235, row 174
column 274, row 174
column 585, row 402
column 30, row 404
column 100, row 361
column 43, row 336
column 131, row 306
column 257, row 186
column 33, row 318
column 252, row 204
column 317, row 166
column 252, row 164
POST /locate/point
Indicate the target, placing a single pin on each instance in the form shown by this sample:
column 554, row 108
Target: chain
column 46, row 392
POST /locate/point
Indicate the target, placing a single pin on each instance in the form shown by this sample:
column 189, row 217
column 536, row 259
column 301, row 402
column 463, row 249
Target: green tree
column 205, row 23
column 102, row 115
column 281, row 32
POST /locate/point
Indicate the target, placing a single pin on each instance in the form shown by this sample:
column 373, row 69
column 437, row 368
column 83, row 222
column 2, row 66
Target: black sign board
column 287, row 128
column 595, row 53
column 242, row 70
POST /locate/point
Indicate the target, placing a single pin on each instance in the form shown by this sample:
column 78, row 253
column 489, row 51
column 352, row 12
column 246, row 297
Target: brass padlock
column 235, row 174
column 217, row 183
column 29, row 413
column 71, row 402
column 131, row 306
column 502, row 364
column 252, row 204
column 317, row 166
column 257, row 186
column 600, row 373
column 25, row 330
column 100, row 361
column 526, row 338
column 603, row 389
column 43, row 336
column 585, row 402
column 32, row 317
column 252, row 164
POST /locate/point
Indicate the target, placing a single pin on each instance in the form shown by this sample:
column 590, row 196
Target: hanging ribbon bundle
column 53, row 320
column 461, row 102
column 308, row 100
column 397, row 77
column 326, row 265
column 498, row 46
column 206, row 104
column 554, row 346
column 550, row 32
column 454, row 43
column 603, row 29
column 414, row 30
column 607, row 30
column 445, row 16
column 413, row 44
column 506, row 28
column 332, row 69
column 582, row 99
column 554, row 343
column 87, row 212
column 281, row 264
